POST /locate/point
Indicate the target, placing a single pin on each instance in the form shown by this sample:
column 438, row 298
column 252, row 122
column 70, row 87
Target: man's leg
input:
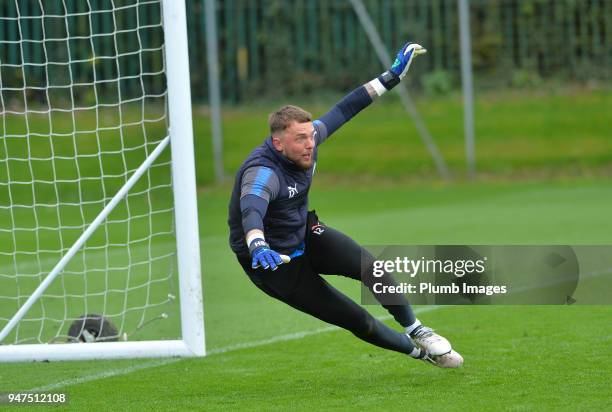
column 332, row 252
column 299, row 286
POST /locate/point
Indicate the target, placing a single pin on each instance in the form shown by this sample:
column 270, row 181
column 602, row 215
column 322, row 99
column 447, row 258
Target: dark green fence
column 296, row 47
column 64, row 53
column 271, row 47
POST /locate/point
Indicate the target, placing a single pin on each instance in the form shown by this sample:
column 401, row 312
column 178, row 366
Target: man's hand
column 404, row 58
column 265, row 257
column 391, row 78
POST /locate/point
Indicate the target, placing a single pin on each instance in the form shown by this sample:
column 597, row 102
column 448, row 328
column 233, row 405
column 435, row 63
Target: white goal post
column 98, row 207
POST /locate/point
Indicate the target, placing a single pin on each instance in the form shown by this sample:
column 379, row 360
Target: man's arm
column 362, row 96
column 259, row 186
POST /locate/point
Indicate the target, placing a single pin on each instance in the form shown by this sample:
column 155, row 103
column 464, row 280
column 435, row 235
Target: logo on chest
column 292, row 190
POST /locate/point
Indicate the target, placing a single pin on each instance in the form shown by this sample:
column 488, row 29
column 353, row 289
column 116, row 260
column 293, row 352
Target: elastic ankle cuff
column 412, row 327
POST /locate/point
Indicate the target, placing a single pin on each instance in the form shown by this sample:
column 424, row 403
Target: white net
column 83, row 103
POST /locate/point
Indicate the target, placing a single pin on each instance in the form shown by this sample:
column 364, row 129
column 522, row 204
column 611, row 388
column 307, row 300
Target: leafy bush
column 438, row 83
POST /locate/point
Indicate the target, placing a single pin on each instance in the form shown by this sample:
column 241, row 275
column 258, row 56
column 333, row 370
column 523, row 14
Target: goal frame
column 180, row 139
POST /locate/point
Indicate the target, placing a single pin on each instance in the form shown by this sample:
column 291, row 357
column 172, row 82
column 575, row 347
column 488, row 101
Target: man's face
column 297, row 143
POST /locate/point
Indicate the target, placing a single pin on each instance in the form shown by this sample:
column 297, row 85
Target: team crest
column 318, row 229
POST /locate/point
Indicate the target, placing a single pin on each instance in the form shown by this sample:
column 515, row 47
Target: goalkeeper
column 284, row 249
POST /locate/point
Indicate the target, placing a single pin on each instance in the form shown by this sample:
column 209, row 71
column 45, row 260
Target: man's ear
column 277, row 142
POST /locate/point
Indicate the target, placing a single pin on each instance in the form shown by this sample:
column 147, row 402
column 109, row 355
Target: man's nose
column 310, row 143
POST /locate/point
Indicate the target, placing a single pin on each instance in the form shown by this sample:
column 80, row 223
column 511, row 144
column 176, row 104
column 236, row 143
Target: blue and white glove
column 400, row 66
column 264, row 256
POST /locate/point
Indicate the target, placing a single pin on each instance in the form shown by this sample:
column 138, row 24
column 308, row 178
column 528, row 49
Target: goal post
column 99, row 222
column 185, row 200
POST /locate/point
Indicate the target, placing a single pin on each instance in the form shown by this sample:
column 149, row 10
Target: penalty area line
column 161, row 362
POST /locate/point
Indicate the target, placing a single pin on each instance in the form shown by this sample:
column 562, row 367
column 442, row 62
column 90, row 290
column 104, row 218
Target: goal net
column 98, row 220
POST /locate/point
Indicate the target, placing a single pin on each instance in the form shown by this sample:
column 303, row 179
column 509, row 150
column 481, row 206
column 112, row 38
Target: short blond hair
column 280, row 119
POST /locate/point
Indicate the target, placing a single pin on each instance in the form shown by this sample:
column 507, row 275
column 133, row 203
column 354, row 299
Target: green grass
column 564, row 133
column 533, row 362
column 518, row 358
column 516, row 135
column 544, row 162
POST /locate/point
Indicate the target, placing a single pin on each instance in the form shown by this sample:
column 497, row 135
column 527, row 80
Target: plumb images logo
column 458, row 274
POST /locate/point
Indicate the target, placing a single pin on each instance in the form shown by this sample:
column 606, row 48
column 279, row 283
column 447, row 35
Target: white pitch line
column 105, row 374
column 298, row 335
column 230, row 348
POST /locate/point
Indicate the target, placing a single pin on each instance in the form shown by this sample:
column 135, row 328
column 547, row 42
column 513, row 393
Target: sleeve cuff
column 389, row 80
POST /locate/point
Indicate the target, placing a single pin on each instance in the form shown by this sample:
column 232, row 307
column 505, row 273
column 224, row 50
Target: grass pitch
column 517, row 134
column 265, row 355
column 268, row 356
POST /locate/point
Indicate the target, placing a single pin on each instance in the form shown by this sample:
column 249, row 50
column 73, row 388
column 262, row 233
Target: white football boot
column 449, row 360
column 434, row 344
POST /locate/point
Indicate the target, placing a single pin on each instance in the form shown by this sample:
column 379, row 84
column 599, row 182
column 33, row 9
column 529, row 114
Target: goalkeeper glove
column 264, row 256
column 400, row 66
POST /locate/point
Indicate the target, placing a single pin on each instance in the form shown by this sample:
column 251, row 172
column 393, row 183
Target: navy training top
column 271, row 192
